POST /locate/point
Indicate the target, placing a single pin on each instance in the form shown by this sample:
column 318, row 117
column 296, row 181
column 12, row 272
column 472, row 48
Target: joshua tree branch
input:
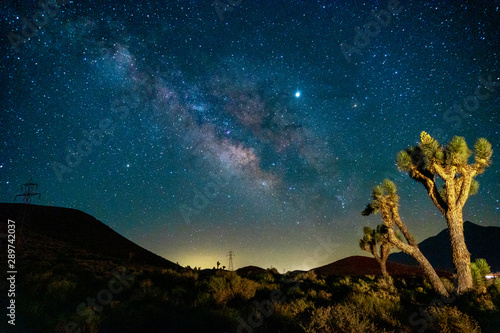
column 404, row 230
column 467, row 175
column 432, row 190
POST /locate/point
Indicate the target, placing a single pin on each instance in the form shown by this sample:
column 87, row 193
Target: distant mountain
column 482, row 242
column 361, row 265
column 55, row 232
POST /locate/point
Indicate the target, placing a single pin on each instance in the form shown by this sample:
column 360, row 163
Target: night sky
column 196, row 127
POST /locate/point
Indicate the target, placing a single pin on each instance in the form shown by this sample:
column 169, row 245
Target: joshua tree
column 218, row 264
column 373, row 238
column 386, row 201
column 428, row 161
column 480, row 269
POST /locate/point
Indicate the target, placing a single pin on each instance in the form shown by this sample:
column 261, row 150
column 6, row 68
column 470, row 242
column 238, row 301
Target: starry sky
column 198, row 127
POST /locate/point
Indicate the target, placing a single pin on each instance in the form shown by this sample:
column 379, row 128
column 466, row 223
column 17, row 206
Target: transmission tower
column 231, row 255
column 28, row 189
column 29, row 192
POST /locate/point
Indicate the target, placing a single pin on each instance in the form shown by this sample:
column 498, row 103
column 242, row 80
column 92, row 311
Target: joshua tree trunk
column 415, row 252
column 460, row 254
column 385, row 250
column 383, row 267
column 382, row 261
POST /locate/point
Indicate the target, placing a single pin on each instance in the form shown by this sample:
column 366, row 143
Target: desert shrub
column 323, row 294
column 378, row 307
column 348, row 318
column 230, row 286
column 321, row 321
column 345, row 281
column 266, row 278
column 171, row 277
column 273, row 271
column 449, row 319
column 266, row 288
column 344, row 317
column 295, row 292
column 371, row 304
column 219, row 289
column 339, row 318
column 293, row 308
column 309, row 275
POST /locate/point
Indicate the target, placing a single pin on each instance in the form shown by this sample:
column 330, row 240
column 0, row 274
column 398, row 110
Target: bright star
column 297, row 94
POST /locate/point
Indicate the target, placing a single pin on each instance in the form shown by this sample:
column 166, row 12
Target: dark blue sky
column 194, row 128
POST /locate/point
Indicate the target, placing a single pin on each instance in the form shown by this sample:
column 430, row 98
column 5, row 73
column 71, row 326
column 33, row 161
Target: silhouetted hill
column 59, row 231
column 250, row 270
column 361, row 266
column 482, row 242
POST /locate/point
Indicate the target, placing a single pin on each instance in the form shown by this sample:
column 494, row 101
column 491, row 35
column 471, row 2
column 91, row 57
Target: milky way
column 194, row 129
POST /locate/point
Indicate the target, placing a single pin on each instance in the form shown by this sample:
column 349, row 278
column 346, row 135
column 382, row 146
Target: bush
column 230, row 286
column 449, row 319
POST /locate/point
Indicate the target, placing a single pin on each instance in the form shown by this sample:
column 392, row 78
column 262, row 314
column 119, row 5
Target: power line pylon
column 29, row 191
column 231, row 255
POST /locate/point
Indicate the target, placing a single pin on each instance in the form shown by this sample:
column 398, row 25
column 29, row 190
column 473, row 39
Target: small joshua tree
column 429, row 161
column 480, row 269
column 376, row 242
column 386, row 201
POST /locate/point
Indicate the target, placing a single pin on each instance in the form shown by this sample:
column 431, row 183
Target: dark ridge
column 69, row 230
column 250, row 270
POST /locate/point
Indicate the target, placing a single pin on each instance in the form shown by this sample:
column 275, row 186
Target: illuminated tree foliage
column 430, row 161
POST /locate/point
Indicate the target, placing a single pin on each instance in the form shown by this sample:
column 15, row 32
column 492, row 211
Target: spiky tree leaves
column 386, row 202
column 480, row 269
column 375, row 241
column 474, row 187
column 428, row 161
column 404, row 161
column 483, row 153
column 431, row 150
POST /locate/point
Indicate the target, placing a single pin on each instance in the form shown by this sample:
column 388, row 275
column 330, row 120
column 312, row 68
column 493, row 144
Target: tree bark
column 415, row 252
column 383, row 267
column 460, row 254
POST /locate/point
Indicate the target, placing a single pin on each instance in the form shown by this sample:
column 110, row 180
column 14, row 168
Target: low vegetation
column 165, row 300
